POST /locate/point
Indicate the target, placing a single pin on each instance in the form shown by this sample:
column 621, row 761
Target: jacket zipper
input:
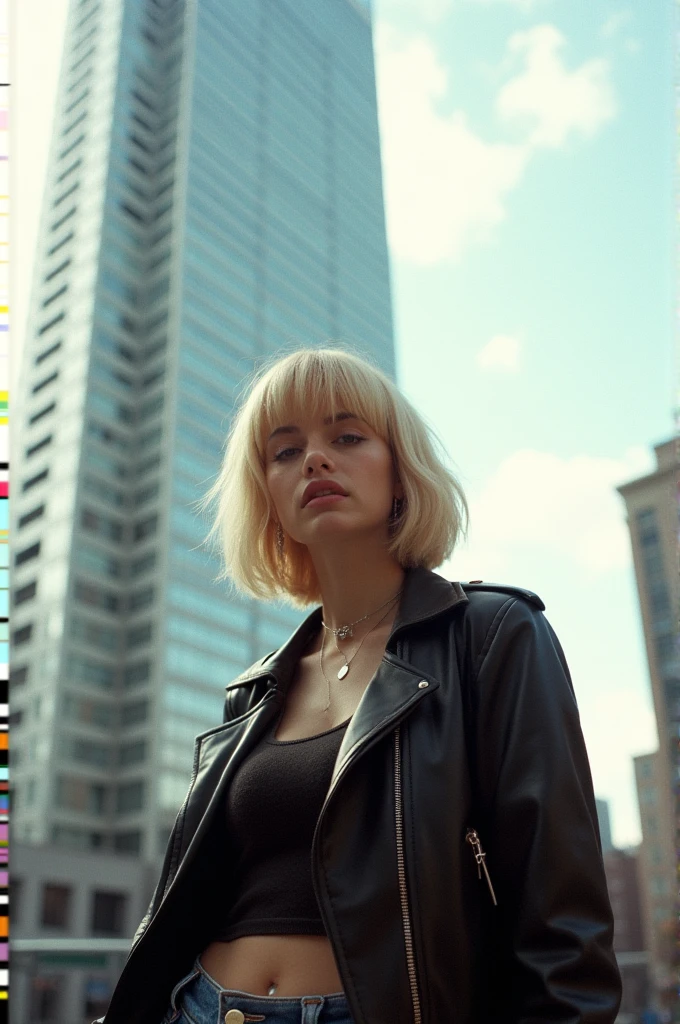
column 472, row 838
column 401, row 872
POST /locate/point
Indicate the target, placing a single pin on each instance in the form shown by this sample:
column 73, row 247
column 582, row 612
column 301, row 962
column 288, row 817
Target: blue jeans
column 199, row 999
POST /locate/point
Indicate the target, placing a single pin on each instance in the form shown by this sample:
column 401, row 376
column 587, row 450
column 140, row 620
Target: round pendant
column 343, row 671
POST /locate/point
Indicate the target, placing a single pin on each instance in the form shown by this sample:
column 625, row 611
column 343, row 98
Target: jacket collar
column 425, row 595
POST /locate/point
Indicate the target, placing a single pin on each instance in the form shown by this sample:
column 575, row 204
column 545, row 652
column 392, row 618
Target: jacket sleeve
column 543, row 842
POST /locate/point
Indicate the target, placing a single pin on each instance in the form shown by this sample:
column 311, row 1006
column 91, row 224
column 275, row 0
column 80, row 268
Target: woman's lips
column 325, row 499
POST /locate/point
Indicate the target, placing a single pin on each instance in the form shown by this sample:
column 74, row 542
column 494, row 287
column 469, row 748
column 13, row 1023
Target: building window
column 143, row 564
column 27, row 554
column 58, row 270
column 23, row 635
column 95, row 561
column 141, row 599
column 58, row 245
column 140, row 634
column 48, row 351
column 84, row 709
column 56, row 905
column 89, row 594
column 97, row 997
column 108, row 913
column 89, row 632
column 102, row 490
column 18, row 675
column 34, row 480
column 138, row 673
column 43, row 412
column 43, row 443
column 130, row 796
column 647, row 526
column 82, row 670
column 127, row 842
column 16, row 892
column 55, row 295
column 44, row 382
column 105, row 527
column 78, row 795
column 133, row 714
column 48, row 326
column 35, row 513
column 76, row 838
column 45, row 1001
column 89, row 752
column 145, row 528
column 25, row 593
column 146, row 493
column 132, row 753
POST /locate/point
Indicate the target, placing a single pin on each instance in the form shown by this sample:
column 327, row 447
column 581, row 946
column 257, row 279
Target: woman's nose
column 316, row 460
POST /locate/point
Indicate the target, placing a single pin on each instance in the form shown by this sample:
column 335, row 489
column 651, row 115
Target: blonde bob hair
column 320, row 383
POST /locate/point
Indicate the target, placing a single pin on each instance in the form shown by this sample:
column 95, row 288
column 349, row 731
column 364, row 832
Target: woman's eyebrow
column 283, row 430
column 292, row 429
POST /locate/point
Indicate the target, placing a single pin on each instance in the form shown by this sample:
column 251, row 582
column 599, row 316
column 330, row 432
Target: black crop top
column 273, row 804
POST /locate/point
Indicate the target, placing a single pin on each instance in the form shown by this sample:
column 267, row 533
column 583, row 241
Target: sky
column 528, row 165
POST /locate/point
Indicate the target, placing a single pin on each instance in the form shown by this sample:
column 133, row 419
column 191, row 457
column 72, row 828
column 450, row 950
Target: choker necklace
column 345, row 668
column 342, row 632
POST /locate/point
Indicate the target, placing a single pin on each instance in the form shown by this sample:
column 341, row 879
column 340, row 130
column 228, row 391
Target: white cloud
column 445, row 185
column 540, row 503
column 500, row 353
column 615, row 22
column 548, row 98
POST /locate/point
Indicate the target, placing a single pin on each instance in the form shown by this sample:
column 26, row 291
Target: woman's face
column 344, row 456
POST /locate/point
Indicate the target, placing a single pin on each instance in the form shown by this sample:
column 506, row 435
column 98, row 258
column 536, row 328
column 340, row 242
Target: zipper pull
column 472, row 838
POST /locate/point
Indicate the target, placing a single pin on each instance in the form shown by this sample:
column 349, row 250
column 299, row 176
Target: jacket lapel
column 392, row 692
column 396, row 688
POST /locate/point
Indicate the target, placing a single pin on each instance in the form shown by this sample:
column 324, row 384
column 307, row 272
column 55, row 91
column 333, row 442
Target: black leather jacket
column 470, row 723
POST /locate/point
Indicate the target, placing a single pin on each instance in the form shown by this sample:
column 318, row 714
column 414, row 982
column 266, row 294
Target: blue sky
column 528, row 162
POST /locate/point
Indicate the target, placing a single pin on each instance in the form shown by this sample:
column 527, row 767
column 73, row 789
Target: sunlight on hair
column 323, row 382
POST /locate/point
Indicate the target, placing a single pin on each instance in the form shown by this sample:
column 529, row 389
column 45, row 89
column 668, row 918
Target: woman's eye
column 284, row 453
column 351, row 438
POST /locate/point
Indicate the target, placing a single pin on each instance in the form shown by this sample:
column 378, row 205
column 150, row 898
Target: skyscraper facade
column 652, row 509
column 214, row 197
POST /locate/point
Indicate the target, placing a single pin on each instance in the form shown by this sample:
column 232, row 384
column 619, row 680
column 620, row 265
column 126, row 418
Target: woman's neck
column 356, row 583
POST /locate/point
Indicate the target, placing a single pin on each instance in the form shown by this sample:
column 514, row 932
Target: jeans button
column 234, row 1017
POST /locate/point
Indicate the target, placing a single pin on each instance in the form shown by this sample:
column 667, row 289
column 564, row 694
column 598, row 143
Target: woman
column 395, row 824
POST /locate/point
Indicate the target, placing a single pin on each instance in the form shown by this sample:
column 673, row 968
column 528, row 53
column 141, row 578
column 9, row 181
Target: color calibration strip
column 4, row 508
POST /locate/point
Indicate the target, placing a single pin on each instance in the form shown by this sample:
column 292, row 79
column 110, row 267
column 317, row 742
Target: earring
column 279, row 540
column 397, row 506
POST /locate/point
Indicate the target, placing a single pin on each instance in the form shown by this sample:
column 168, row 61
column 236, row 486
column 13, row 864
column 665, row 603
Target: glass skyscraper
column 214, row 197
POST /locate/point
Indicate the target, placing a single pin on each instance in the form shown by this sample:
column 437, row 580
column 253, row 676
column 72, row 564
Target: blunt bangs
column 318, row 383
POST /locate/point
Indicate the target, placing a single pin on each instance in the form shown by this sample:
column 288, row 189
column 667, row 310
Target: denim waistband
column 204, row 1001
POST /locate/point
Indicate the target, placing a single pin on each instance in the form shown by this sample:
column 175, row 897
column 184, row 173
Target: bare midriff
column 280, row 965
